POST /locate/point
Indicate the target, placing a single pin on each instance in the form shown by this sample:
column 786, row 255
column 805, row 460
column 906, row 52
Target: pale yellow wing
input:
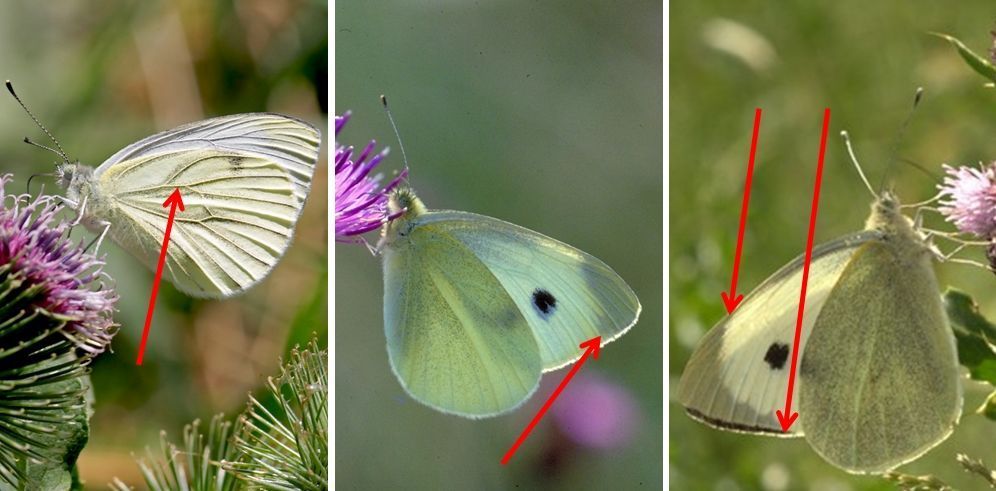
column 737, row 377
column 879, row 376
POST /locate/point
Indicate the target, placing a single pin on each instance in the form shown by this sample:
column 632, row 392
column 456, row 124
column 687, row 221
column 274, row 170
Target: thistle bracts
column 54, row 316
column 287, row 448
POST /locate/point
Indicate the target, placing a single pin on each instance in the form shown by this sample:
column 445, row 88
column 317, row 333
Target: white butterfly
column 243, row 179
column 878, row 376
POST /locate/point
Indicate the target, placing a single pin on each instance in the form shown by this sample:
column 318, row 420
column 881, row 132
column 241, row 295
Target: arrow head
column 731, row 301
column 174, row 200
column 592, row 345
column 786, row 422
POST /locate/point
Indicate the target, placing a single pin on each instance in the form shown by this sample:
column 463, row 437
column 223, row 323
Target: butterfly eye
column 544, row 301
column 776, row 355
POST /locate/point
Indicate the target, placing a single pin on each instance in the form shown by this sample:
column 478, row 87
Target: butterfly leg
column 79, row 207
column 949, row 257
column 375, row 251
column 100, row 238
column 970, row 262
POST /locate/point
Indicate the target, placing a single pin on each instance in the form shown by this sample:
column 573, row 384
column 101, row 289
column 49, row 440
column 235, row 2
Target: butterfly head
column 887, row 217
column 404, row 206
column 403, row 200
column 74, row 178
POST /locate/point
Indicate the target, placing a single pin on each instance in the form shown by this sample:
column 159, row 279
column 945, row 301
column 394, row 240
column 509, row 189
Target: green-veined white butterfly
column 244, row 179
column 475, row 308
column 878, row 378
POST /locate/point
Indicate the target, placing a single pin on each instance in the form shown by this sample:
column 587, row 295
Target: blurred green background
column 864, row 61
column 101, row 75
column 544, row 114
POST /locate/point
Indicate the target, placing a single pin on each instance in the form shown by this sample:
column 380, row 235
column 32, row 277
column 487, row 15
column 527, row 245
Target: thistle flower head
column 360, row 202
column 971, row 199
column 52, row 321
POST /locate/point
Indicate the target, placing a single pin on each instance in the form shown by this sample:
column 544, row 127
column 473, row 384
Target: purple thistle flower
column 971, row 203
column 596, row 413
column 360, row 206
column 50, row 275
column 55, row 316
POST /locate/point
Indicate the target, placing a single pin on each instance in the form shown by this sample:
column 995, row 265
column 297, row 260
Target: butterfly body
column 243, row 181
column 475, row 308
column 878, row 378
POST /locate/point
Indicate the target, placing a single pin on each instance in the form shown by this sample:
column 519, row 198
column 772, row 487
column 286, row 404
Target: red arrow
column 173, row 202
column 787, row 417
column 731, row 300
column 591, row 349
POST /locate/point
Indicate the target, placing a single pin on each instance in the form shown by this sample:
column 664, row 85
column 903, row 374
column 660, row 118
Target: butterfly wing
column 566, row 296
column 879, row 378
column 738, row 375
column 455, row 339
column 243, row 179
column 289, row 142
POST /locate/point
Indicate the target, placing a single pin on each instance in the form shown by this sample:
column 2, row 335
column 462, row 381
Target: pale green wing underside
column 589, row 298
column 239, row 216
column 738, row 376
column 879, row 379
column 455, row 339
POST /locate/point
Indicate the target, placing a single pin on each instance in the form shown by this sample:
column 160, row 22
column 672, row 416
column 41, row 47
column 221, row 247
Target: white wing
column 738, row 376
column 244, row 180
column 289, row 142
column 566, row 295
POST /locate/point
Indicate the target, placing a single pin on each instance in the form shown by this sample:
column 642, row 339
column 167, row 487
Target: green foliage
column 976, row 337
column 981, row 65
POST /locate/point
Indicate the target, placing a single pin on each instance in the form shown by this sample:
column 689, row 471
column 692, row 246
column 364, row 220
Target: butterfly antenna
column 390, row 117
column 894, row 151
column 854, row 160
column 60, row 151
column 50, row 149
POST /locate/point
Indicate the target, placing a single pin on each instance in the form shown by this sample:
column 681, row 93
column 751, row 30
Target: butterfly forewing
column 879, row 379
column 455, row 340
column 566, row 295
column 289, row 142
column 738, row 376
column 243, row 181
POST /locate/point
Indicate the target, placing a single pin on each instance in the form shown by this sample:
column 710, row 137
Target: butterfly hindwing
column 455, row 339
column 738, row 376
column 566, row 295
column 880, row 346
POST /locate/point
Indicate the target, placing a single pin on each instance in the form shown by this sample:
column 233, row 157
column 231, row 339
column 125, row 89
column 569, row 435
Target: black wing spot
column 776, row 355
column 237, row 162
column 544, row 301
